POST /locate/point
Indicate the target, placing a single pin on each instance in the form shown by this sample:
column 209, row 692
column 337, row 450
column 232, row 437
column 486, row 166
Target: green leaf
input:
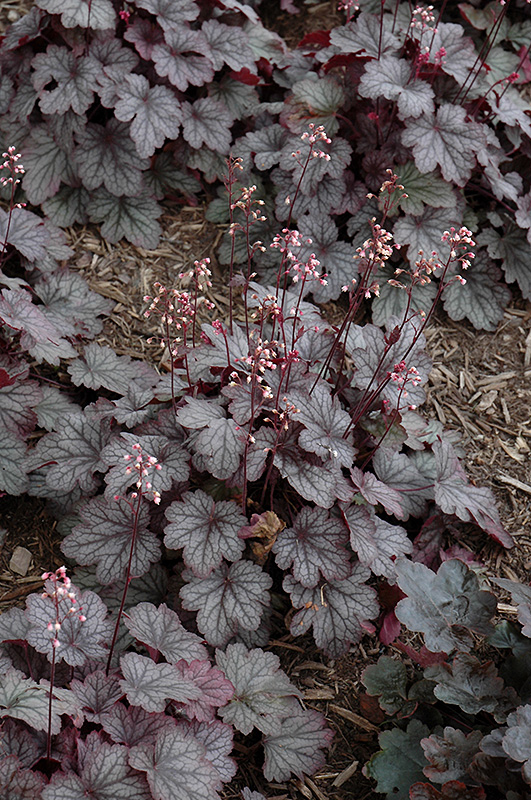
column 400, row 762
column 428, row 188
column 314, row 100
column 387, row 680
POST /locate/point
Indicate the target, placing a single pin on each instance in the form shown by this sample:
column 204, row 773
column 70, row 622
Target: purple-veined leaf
column 27, row 233
column 104, row 773
column 74, row 452
column 198, row 413
column 19, row 398
column 73, row 79
column 13, row 464
column 183, row 58
column 424, row 233
column 263, row 693
column 231, row 598
column 154, row 113
column 67, row 206
column 455, row 495
column 315, row 544
column 317, row 481
column 78, row 640
column 324, row 423
column 117, row 62
column 217, row 739
column 523, row 212
column 521, row 595
column 107, row 155
column 170, row 14
column 134, row 406
column 13, row 625
column 19, row 783
column 21, row 698
column 132, row 725
column 71, row 305
column 446, row 139
column 18, row 312
column 377, row 542
column 215, row 689
column 207, row 122
column 95, row 14
column 132, row 218
column 161, row 629
column 390, row 77
column 46, row 165
column 337, row 610
column 163, row 177
column 97, row 694
column 219, row 447
column 450, row 755
column 517, row 740
column 206, row 530
column 19, row 742
column 296, row 748
column 265, row 144
column 151, row 685
column 314, row 100
column 227, row 45
column 29, row 25
column 399, row 472
column 144, row 35
column 472, row 686
column 365, row 37
column 514, row 251
column 176, row 767
column 375, row 491
column 445, row 606
column 173, row 462
column 482, row 299
column 400, row 761
column 103, row 537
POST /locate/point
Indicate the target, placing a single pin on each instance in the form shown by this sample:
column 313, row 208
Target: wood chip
column 356, row 719
column 347, row 773
column 527, row 354
column 505, row 410
column 505, row 608
column 319, row 694
column 524, row 487
column 20, row 560
column 501, row 377
column 315, row 789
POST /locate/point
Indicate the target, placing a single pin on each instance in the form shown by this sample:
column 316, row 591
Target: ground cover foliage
column 281, row 466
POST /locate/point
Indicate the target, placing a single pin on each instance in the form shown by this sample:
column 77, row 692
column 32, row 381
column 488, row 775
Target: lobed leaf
column 296, row 748
column 161, row 629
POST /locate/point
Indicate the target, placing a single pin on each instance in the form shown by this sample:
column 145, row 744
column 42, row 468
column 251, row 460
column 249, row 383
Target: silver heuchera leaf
column 71, row 305
column 206, row 529
column 263, row 693
column 74, row 452
column 100, row 366
column 22, row 784
column 97, row 694
column 78, row 639
column 364, row 36
column 23, row 699
column 228, row 44
column 390, row 77
column 315, row 544
column 181, row 58
column 155, row 113
column 161, row 629
column 445, row 606
column 131, row 725
column 446, row 139
column 104, row 535
column 521, row 595
column 215, row 689
column 104, row 773
column 296, row 748
column 151, row 685
column 218, row 740
column 337, row 610
column 95, row 14
column 325, row 423
column 231, row 598
column 377, row 542
column 107, row 155
column 73, row 78
column 207, row 122
column 176, row 767
column 46, row 165
column 170, row 13
column 482, row 299
column 132, row 218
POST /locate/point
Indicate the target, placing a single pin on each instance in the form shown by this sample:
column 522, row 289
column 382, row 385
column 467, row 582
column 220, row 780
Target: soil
column 480, row 386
